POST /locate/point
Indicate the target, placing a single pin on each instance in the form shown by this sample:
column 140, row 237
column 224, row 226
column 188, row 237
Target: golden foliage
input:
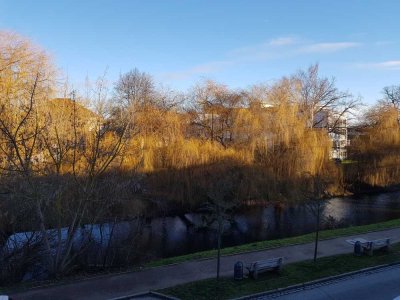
column 26, row 81
column 273, row 149
column 378, row 147
column 269, row 139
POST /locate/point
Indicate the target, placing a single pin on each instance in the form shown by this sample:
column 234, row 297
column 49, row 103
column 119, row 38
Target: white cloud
column 287, row 47
column 328, row 47
column 385, row 65
column 282, row 41
column 281, row 47
column 268, row 50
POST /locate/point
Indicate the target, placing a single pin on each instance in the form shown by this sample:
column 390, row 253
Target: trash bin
column 238, row 271
column 357, row 249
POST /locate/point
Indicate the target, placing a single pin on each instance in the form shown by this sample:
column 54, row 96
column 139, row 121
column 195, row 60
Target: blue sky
column 238, row 43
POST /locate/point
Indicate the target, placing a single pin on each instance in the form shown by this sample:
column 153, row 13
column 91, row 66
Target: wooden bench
column 273, row 264
column 369, row 246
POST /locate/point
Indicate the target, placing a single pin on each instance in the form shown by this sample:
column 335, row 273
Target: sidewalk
column 366, row 285
column 113, row 286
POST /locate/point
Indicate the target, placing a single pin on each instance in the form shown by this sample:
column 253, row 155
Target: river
column 171, row 236
column 178, row 235
column 137, row 242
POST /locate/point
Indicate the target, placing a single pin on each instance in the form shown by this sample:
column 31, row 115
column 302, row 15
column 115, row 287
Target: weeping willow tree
column 377, row 148
column 172, row 160
column 275, row 135
column 294, row 148
column 270, row 140
column 158, row 132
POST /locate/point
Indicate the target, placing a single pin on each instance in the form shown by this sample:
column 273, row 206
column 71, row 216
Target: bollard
column 238, row 271
column 357, row 249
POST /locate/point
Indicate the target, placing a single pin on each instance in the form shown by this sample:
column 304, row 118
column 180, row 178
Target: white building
column 336, row 125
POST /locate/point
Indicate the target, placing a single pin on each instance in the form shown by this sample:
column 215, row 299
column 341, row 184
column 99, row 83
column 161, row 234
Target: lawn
column 292, row 274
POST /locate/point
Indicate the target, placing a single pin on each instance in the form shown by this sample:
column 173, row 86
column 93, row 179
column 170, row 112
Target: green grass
column 263, row 245
column 292, row 274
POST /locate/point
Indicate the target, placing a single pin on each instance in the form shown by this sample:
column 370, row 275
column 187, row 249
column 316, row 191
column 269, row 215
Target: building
column 336, row 126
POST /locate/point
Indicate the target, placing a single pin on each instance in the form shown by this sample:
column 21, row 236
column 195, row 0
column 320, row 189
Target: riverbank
column 155, row 278
column 359, row 189
column 355, row 190
column 183, row 235
column 271, row 244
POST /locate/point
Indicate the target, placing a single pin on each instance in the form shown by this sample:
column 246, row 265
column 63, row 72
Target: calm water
column 170, row 236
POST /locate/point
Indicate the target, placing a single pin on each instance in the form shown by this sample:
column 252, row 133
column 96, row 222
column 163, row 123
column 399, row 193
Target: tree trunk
column 317, row 232
column 219, row 246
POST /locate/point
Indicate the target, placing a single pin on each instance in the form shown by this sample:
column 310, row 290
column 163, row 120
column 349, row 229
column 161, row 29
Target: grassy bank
column 263, row 245
column 292, row 274
column 327, row 234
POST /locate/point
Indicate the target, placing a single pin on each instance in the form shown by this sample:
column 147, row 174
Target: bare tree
column 221, row 192
column 318, row 94
column 213, row 111
column 95, row 146
column 317, row 198
column 54, row 154
column 392, row 95
column 134, row 88
column 26, row 82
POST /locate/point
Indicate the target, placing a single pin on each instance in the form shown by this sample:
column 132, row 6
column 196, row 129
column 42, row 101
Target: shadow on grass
column 292, row 274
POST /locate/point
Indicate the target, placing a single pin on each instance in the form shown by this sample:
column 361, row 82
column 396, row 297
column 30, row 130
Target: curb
column 318, row 282
column 141, row 295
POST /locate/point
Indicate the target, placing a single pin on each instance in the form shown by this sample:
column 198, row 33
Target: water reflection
column 172, row 236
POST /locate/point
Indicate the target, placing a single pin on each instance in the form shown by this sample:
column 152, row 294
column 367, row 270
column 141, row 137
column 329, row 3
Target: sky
column 235, row 42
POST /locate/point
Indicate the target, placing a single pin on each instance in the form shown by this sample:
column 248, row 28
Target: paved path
column 379, row 284
column 113, row 286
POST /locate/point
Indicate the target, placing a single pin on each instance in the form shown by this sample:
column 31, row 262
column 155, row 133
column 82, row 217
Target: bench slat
column 264, row 265
column 369, row 245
